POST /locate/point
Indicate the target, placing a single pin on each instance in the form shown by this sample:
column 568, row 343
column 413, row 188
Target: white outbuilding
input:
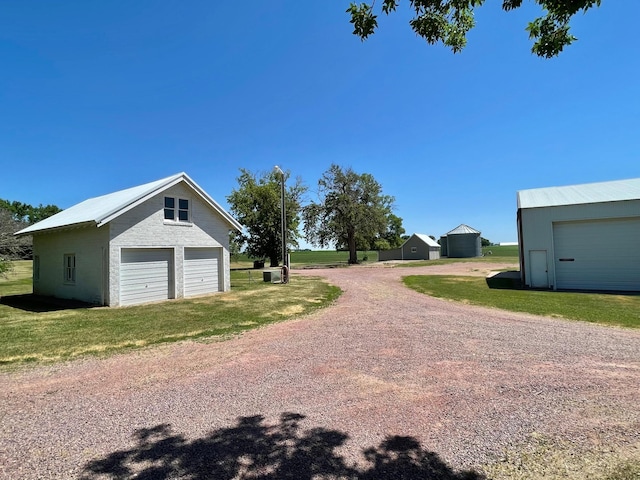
column 581, row 237
column 161, row 240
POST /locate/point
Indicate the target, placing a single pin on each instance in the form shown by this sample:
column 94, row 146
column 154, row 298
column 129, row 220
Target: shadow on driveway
column 255, row 449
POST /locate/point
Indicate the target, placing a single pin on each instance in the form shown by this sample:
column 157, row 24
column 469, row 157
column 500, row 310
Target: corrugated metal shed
column 100, row 210
column 613, row 191
column 427, row 239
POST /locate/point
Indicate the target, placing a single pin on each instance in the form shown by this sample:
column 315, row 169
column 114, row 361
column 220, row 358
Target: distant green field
column 501, row 251
column 332, row 257
column 311, row 257
column 329, row 257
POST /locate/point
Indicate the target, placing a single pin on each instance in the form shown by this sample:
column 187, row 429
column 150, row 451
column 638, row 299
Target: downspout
column 102, row 274
column 521, row 247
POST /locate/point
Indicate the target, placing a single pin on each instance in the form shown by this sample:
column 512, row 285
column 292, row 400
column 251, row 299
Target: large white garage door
column 145, row 275
column 598, row 254
column 201, row 271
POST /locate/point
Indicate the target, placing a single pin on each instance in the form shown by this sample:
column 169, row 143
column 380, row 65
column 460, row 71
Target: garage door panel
column 145, row 275
column 201, row 271
column 597, row 254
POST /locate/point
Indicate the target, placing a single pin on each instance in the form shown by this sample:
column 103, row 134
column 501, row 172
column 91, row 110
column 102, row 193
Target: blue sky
column 100, row 96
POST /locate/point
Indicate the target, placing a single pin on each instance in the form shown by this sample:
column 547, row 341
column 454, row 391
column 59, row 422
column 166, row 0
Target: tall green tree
column 15, row 216
column 23, row 212
column 351, row 211
column 449, row 21
column 256, row 204
column 394, row 232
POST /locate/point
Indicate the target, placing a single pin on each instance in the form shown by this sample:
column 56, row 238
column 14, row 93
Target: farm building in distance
column 461, row 242
column 161, row 240
column 417, row 247
column 581, row 237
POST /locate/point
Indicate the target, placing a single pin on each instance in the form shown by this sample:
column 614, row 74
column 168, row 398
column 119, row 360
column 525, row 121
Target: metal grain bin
column 464, row 242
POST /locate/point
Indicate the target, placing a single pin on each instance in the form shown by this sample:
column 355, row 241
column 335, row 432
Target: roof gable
column 462, row 229
column 424, row 238
column 614, row 191
column 101, row 210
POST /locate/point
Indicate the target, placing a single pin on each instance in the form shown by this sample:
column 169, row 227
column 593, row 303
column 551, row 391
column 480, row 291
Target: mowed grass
column 542, row 457
column 603, row 308
column 28, row 336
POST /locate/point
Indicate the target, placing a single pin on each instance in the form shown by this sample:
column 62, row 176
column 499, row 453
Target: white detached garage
column 162, row 240
column 581, row 237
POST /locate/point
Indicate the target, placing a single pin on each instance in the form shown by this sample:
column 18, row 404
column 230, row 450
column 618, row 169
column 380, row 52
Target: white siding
column 144, row 227
column 145, row 275
column 89, row 244
column 201, row 271
column 537, row 230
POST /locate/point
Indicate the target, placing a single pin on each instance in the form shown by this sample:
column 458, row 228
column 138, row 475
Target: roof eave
column 71, row 226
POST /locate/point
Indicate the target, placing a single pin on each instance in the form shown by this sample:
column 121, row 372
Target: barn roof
column 614, row 191
column 426, row 239
column 100, row 210
column 462, row 229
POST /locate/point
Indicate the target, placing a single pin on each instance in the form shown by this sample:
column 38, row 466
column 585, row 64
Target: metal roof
column 101, row 210
column 426, row 239
column 615, row 191
column 462, row 229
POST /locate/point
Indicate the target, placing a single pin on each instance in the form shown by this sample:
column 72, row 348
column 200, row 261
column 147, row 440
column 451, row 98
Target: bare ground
column 387, row 383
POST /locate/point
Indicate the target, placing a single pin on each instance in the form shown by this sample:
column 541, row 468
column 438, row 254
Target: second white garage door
column 201, row 271
column 597, row 254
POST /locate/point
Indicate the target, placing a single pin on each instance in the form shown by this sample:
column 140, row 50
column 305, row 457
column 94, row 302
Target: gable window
column 183, row 210
column 70, row 268
column 169, row 208
column 176, row 209
column 414, row 249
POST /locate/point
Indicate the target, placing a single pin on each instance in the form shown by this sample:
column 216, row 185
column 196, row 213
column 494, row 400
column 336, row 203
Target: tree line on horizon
column 15, row 216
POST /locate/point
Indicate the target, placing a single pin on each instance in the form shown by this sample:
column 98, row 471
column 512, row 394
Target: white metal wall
column 537, row 231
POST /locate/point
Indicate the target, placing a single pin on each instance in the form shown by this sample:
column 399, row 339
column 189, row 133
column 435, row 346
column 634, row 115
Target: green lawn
column 29, row 333
column 501, row 251
column 608, row 309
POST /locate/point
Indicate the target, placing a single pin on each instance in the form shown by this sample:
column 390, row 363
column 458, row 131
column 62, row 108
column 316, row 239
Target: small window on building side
column 414, row 249
column 70, row 268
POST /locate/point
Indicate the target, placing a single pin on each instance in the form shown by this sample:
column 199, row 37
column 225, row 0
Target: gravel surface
column 387, row 383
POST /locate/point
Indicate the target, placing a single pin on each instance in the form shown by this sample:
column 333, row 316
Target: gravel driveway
column 387, row 383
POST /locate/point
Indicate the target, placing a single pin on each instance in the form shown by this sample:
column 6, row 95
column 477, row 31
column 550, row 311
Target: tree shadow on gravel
column 253, row 449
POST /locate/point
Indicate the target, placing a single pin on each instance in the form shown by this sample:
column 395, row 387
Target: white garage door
column 598, row 255
column 201, row 271
column 145, row 275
